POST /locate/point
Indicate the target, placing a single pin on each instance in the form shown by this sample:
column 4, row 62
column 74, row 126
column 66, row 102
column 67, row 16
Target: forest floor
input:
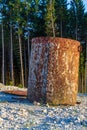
column 17, row 113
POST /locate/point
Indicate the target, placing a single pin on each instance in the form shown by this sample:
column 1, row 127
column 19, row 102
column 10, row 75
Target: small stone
column 54, row 122
column 47, row 105
column 51, row 113
column 62, row 122
column 45, row 111
column 36, row 103
column 82, row 117
column 67, row 126
column 78, row 119
column 1, row 119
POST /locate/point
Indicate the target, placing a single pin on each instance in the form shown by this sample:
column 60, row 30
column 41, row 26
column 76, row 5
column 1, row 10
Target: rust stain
column 53, row 74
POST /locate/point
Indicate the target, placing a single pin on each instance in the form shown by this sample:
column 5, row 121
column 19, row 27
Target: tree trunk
column 82, row 84
column 52, row 19
column 11, row 54
column 76, row 28
column 25, row 66
column 28, row 54
column 86, row 69
column 21, row 60
column 61, row 28
column 53, row 27
column 3, row 57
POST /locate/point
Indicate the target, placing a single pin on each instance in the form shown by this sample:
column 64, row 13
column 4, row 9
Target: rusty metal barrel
column 53, row 72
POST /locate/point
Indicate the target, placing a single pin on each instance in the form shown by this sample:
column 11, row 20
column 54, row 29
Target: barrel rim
column 50, row 39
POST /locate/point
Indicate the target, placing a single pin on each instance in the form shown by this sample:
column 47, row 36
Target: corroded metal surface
column 53, row 74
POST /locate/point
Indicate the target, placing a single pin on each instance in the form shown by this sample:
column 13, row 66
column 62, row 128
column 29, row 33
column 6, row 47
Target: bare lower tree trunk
column 53, row 27
column 28, row 51
column 21, row 60
column 76, row 28
column 3, row 57
column 25, row 66
column 82, row 83
column 61, row 28
column 52, row 20
column 11, row 54
column 86, row 69
column 85, row 76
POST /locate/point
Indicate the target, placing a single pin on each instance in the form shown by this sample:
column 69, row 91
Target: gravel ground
column 17, row 113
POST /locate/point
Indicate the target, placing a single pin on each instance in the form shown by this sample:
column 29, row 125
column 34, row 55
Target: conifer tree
column 50, row 18
column 3, row 44
column 61, row 17
column 76, row 18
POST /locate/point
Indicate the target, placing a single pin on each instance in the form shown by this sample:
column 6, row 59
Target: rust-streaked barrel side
column 53, row 76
